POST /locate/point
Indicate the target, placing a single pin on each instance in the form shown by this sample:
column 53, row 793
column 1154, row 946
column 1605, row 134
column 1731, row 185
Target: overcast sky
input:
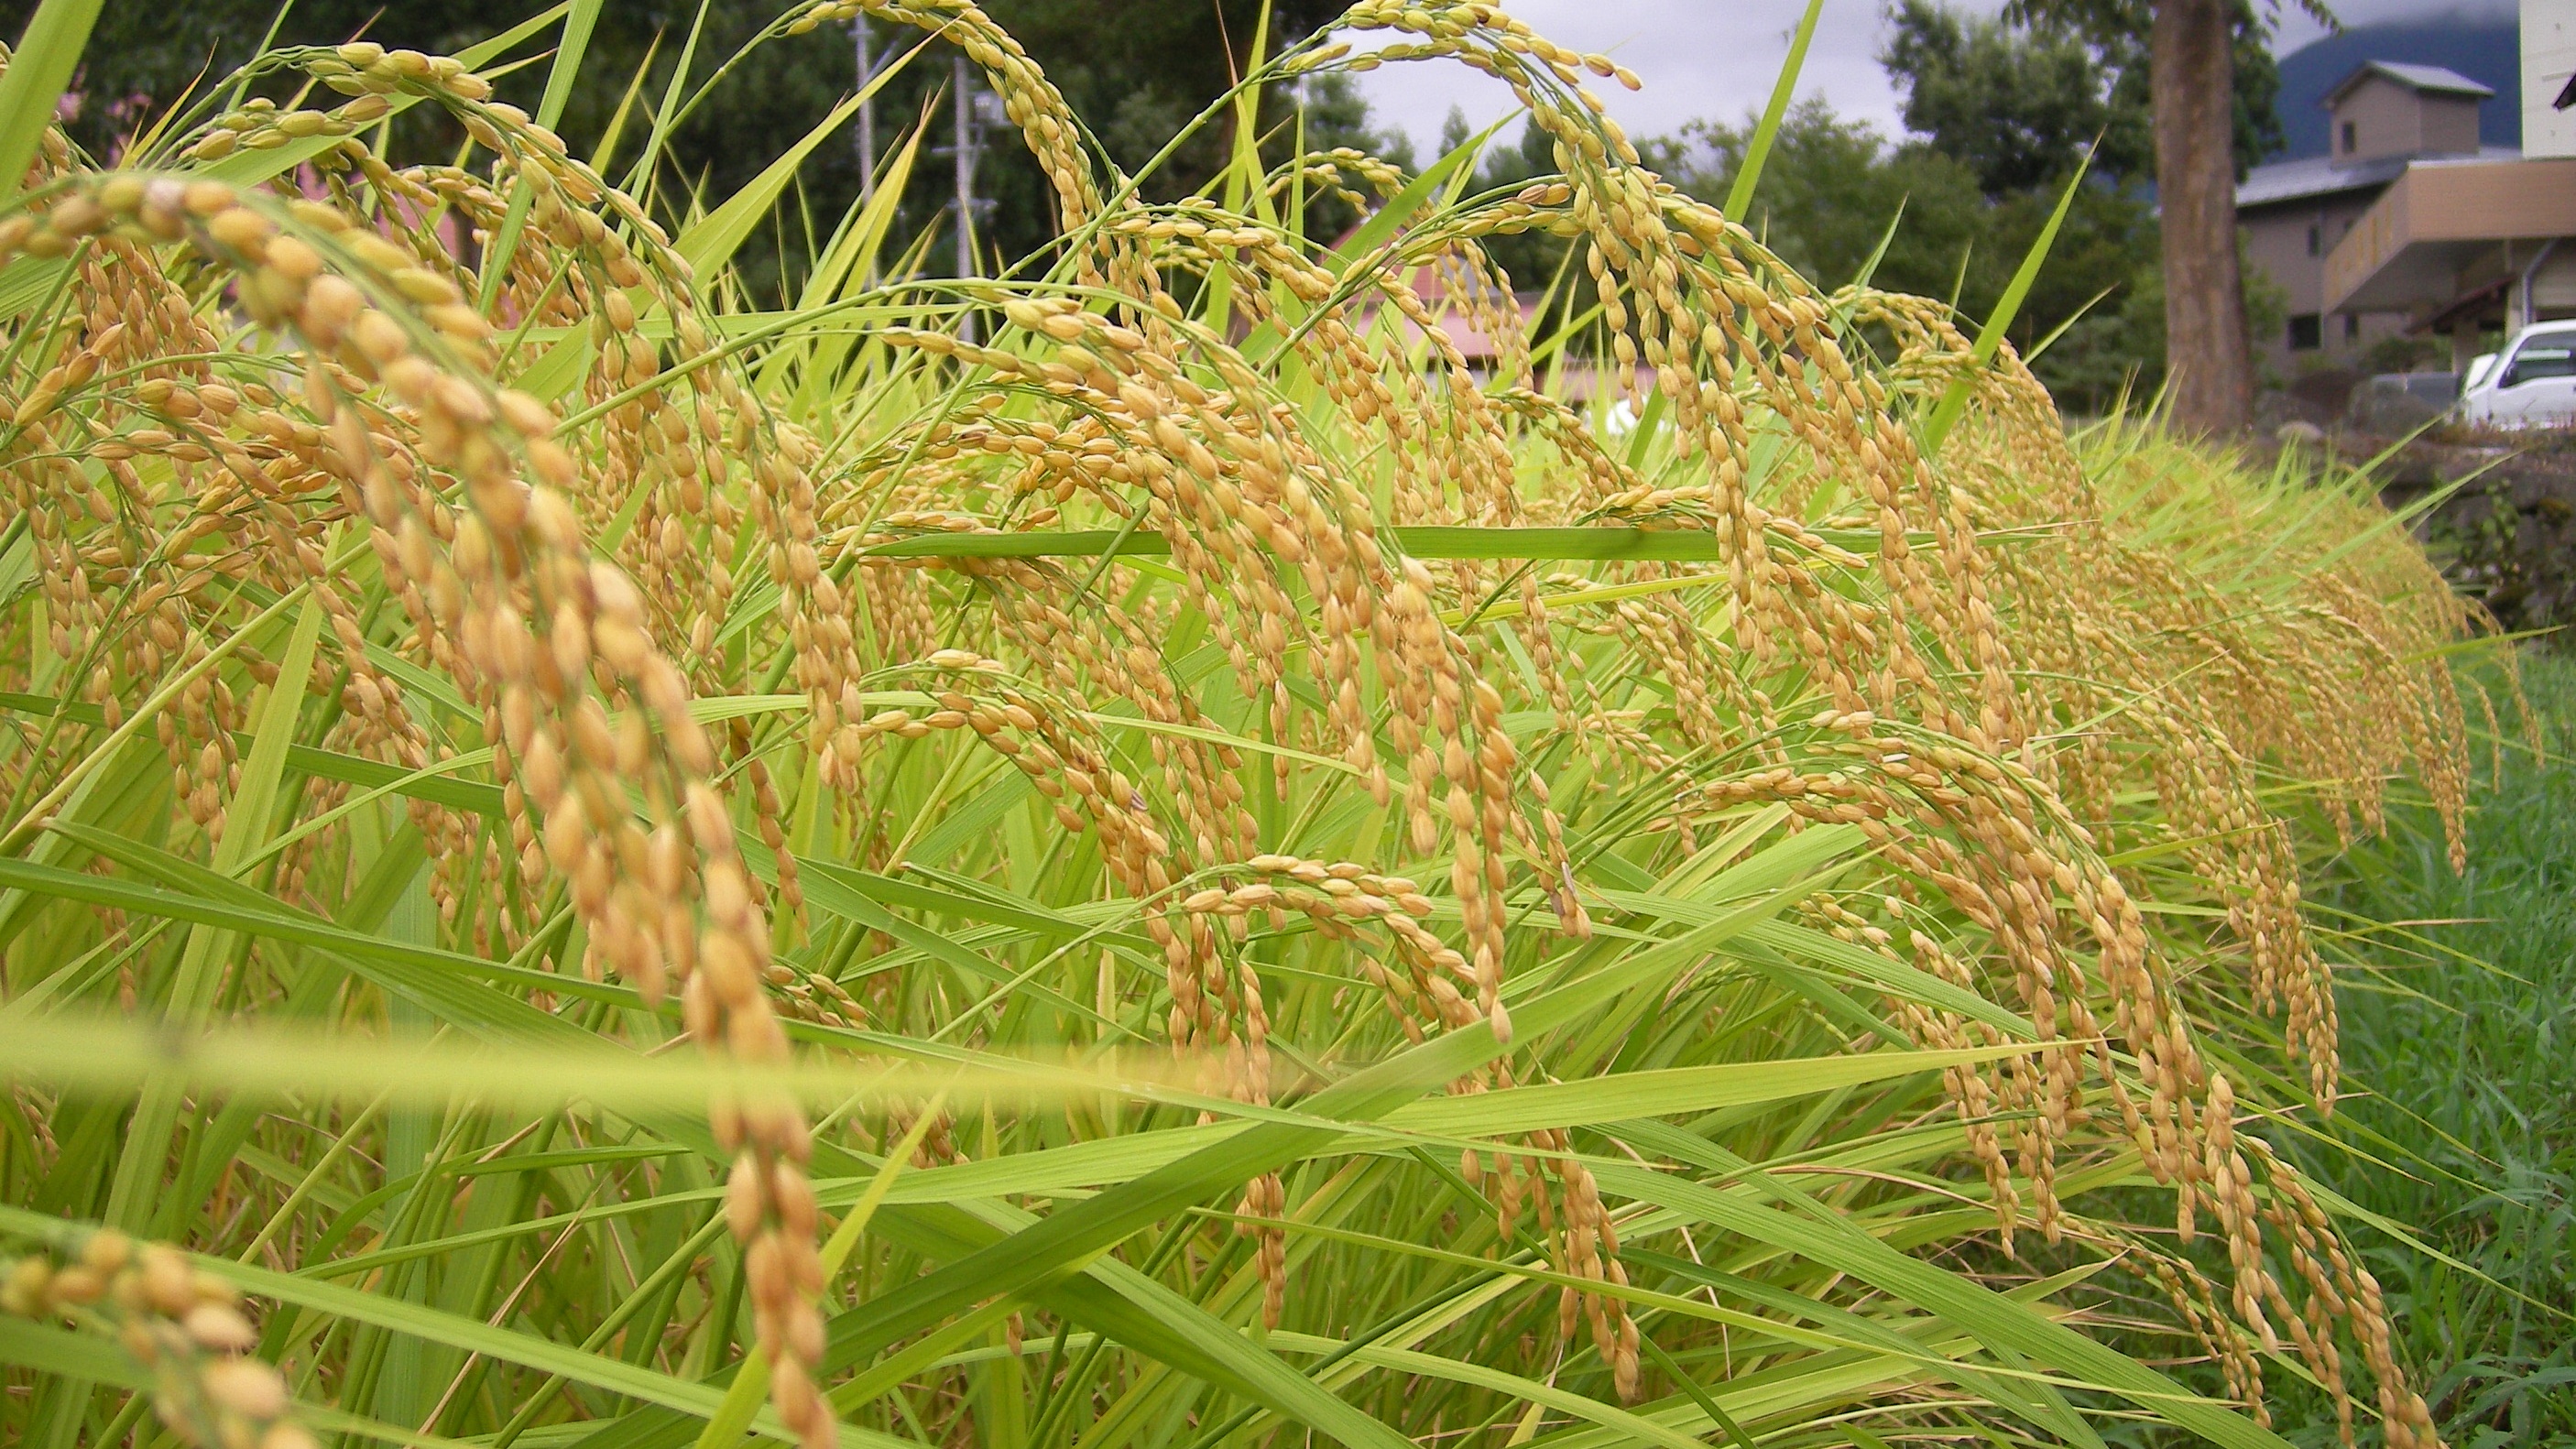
column 1719, row 58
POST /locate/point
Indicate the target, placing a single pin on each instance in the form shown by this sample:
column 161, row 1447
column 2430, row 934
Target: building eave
column 2404, row 253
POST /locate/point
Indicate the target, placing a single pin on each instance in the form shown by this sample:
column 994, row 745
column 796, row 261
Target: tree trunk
column 2208, row 363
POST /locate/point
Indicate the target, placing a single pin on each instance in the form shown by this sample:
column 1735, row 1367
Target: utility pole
column 976, row 109
column 867, row 113
column 963, row 83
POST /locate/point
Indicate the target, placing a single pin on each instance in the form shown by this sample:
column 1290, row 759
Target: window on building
column 2316, row 234
column 2351, row 137
column 2351, row 326
column 2307, row 332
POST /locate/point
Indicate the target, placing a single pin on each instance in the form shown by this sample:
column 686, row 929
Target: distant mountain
column 2483, row 48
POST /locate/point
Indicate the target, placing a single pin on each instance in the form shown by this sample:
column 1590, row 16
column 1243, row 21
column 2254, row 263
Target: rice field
column 1138, row 853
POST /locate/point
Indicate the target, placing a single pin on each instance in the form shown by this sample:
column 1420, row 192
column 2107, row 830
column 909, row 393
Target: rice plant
column 1136, row 853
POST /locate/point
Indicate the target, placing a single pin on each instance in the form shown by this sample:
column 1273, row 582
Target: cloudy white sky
column 1719, row 58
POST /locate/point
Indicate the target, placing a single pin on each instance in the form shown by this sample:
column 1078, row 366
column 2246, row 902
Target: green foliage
column 1137, row 69
column 1835, row 185
column 1532, row 258
column 2118, row 32
column 2017, row 107
column 2407, row 352
column 2463, row 1005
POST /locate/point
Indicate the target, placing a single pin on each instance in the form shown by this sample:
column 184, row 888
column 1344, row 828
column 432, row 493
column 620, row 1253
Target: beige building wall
column 2553, row 285
column 2548, row 58
column 2379, row 117
column 2277, row 241
column 2450, row 125
column 2548, row 267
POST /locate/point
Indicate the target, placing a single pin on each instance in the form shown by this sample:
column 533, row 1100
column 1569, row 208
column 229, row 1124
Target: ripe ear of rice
column 1219, row 867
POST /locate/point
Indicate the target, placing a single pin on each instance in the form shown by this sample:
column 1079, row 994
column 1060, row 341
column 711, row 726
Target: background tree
column 2015, row 105
column 2210, row 85
column 1834, row 185
column 2018, row 97
column 1999, row 116
column 1136, row 69
column 2010, row 106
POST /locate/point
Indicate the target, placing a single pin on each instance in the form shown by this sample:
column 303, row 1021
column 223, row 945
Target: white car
column 2532, row 384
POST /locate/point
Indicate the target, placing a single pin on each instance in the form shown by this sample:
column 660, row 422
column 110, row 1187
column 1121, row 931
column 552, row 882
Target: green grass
column 2463, row 1026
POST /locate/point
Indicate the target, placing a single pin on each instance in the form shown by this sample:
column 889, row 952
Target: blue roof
column 2310, row 177
column 2314, row 176
column 2430, row 79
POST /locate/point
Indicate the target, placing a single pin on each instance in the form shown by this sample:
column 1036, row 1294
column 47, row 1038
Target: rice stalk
column 1082, row 688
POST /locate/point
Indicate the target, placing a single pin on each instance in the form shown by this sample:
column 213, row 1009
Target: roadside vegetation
column 2461, row 1017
